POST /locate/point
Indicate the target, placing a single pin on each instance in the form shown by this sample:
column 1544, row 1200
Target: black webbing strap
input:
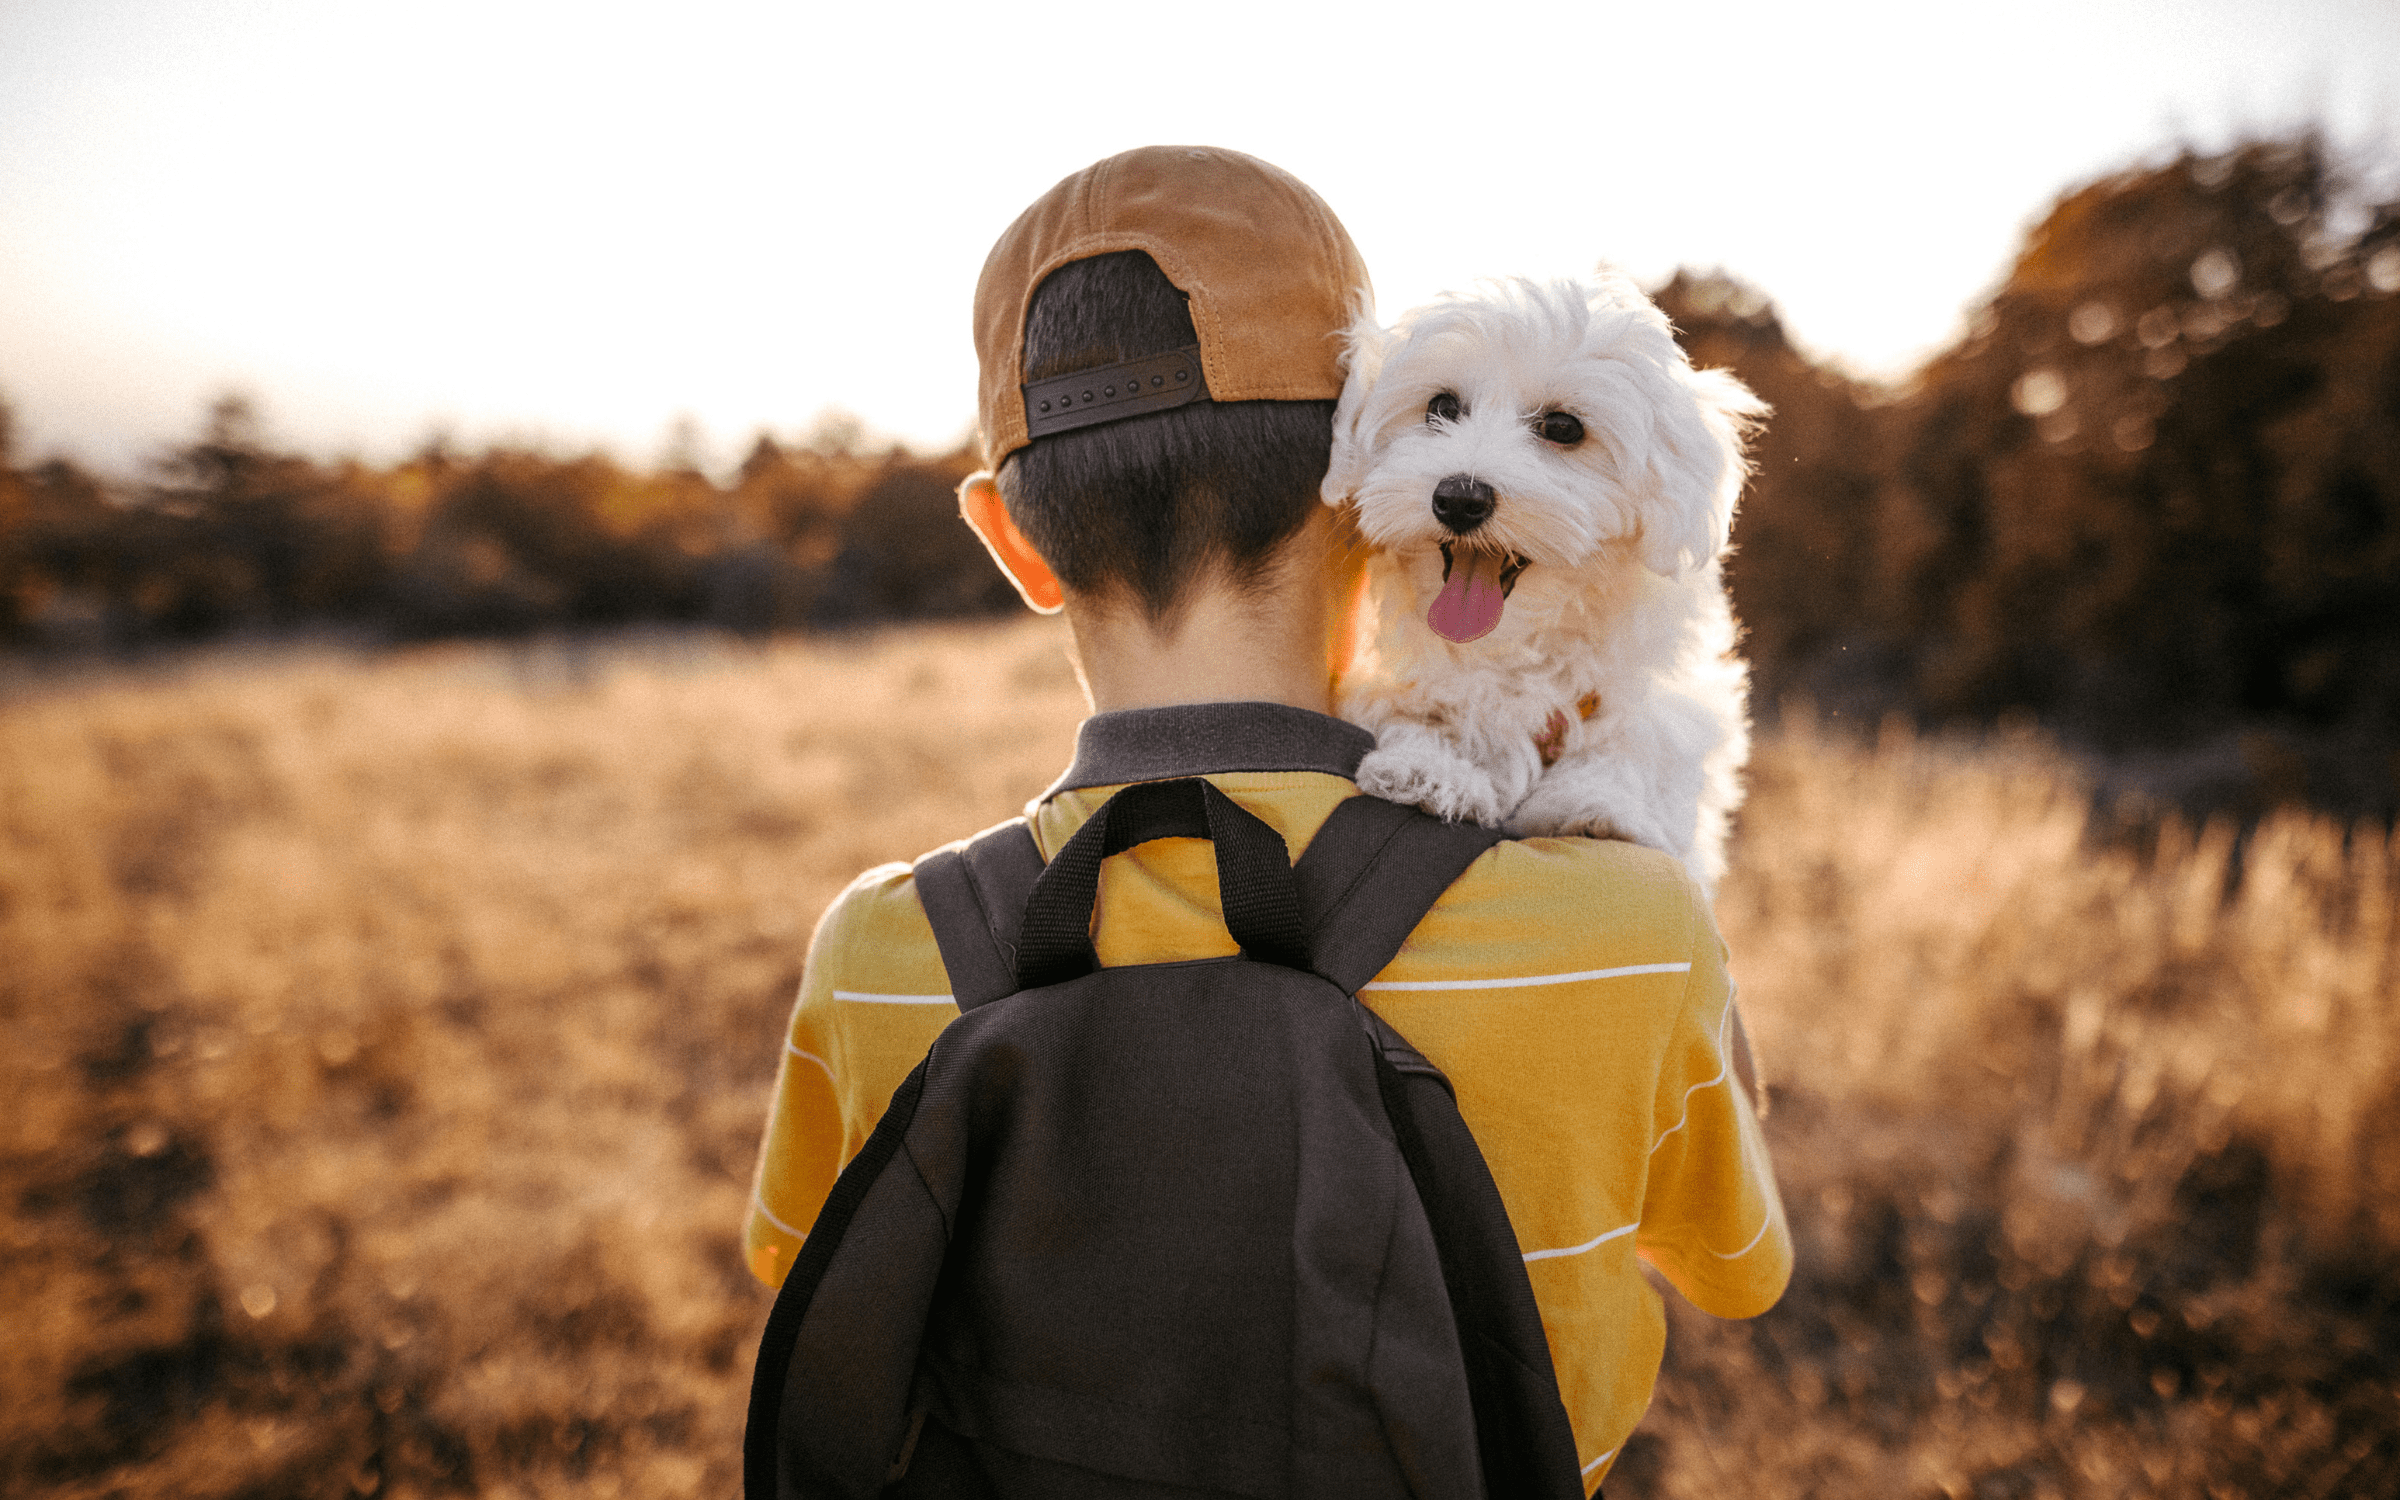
column 1372, row 872
column 1254, row 878
column 974, row 895
column 1368, row 878
column 1522, row 1434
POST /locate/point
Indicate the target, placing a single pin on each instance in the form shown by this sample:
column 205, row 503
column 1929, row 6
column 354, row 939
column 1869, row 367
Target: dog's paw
column 1601, row 806
column 1424, row 772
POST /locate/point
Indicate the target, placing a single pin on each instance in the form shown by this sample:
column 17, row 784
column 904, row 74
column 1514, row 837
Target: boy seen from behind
column 1574, row 991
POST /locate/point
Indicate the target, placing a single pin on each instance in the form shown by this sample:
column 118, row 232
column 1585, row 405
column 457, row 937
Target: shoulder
column 1631, row 875
column 1554, row 925
column 874, row 937
column 1569, row 898
column 883, row 897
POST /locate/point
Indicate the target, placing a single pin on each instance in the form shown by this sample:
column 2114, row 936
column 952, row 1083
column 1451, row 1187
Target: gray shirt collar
column 1201, row 739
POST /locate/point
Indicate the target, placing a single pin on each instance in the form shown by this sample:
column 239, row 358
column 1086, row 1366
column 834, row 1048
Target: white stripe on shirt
column 1754, row 1239
column 760, row 1203
column 1590, row 1244
column 1530, row 979
column 1724, row 1070
column 866, row 997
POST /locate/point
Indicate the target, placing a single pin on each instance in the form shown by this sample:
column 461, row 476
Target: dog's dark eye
column 1561, row 428
column 1445, row 406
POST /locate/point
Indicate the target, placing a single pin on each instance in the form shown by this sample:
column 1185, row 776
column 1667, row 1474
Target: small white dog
column 1547, row 485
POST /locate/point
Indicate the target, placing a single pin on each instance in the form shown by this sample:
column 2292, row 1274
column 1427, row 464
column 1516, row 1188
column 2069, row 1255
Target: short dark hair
column 1139, row 509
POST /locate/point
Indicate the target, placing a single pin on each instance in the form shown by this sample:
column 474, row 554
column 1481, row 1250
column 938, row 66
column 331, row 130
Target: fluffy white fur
column 1621, row 600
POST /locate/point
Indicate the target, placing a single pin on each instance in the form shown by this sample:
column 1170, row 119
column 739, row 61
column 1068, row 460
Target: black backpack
column 1205, row 1228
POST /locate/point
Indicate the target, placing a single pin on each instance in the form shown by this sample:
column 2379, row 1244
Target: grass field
column 385, row 1041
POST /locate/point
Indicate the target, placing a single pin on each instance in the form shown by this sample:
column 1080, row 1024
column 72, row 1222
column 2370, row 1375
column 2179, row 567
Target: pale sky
column 577, row 224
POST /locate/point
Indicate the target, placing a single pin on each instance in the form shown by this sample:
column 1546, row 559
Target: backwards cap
column 1271, row 274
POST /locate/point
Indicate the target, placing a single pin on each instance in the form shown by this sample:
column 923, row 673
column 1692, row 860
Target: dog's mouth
column 1475, row 588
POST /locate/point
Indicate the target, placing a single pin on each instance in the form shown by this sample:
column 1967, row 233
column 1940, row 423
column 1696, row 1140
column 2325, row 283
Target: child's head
column 1197, row 297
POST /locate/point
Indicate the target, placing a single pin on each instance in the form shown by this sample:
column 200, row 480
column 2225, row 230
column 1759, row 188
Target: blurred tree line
column 2152, row 501
column 227, row 536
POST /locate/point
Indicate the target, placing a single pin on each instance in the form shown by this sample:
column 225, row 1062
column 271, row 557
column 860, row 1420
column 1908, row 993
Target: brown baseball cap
column 1271, row 274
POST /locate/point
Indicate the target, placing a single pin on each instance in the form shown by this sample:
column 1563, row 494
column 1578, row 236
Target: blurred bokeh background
column 478, row 572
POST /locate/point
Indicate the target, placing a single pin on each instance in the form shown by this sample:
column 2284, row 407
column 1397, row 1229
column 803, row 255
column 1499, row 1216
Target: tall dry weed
column 386, row 1042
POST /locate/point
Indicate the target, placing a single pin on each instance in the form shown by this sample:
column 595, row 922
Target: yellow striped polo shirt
column 1574, row 990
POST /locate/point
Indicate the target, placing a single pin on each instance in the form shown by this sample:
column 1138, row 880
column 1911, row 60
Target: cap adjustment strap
column 1131, row 388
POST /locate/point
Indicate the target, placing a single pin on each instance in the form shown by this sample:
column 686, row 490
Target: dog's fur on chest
column 1604, row 697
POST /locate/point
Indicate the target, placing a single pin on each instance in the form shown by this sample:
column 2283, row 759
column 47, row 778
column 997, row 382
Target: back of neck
column 1223, row 645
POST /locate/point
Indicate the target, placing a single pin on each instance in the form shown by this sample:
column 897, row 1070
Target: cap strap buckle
column 1108, row 393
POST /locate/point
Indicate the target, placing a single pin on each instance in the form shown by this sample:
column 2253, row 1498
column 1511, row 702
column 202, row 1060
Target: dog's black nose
column 1462, row 503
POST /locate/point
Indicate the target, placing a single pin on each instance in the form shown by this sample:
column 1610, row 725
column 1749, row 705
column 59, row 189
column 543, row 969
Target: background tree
column 2151, row 500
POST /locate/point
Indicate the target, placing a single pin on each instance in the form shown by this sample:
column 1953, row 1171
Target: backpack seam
column 1383, row 1416
column 918, row 1169
column 1366, row 867
column 983, row 905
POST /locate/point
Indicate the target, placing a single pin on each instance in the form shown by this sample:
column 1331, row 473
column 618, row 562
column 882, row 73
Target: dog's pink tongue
column 1470, row 602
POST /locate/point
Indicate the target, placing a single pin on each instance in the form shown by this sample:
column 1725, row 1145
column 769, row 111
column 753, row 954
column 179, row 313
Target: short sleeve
column 873, row 995
column 1712, row 1221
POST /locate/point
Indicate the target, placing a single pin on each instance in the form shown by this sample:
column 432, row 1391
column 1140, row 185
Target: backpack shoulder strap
column 1365, row 882
column 974, row 895
column 771, row 1375
column 1368, row 878
column 1522, row 1433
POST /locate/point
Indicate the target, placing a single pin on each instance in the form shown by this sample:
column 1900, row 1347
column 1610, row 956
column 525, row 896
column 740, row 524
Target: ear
column 1700, row 474
column 986, row 512
column 1362, row 359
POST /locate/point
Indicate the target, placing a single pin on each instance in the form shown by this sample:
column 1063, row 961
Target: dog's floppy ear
column 1362, row 361
column 1701, row 470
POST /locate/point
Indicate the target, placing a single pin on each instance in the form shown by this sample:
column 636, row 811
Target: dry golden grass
column 385, row 1044
column 2087, row 1139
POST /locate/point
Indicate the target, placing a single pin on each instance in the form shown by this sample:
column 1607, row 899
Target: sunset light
column 579, row 224
column 493, row 545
